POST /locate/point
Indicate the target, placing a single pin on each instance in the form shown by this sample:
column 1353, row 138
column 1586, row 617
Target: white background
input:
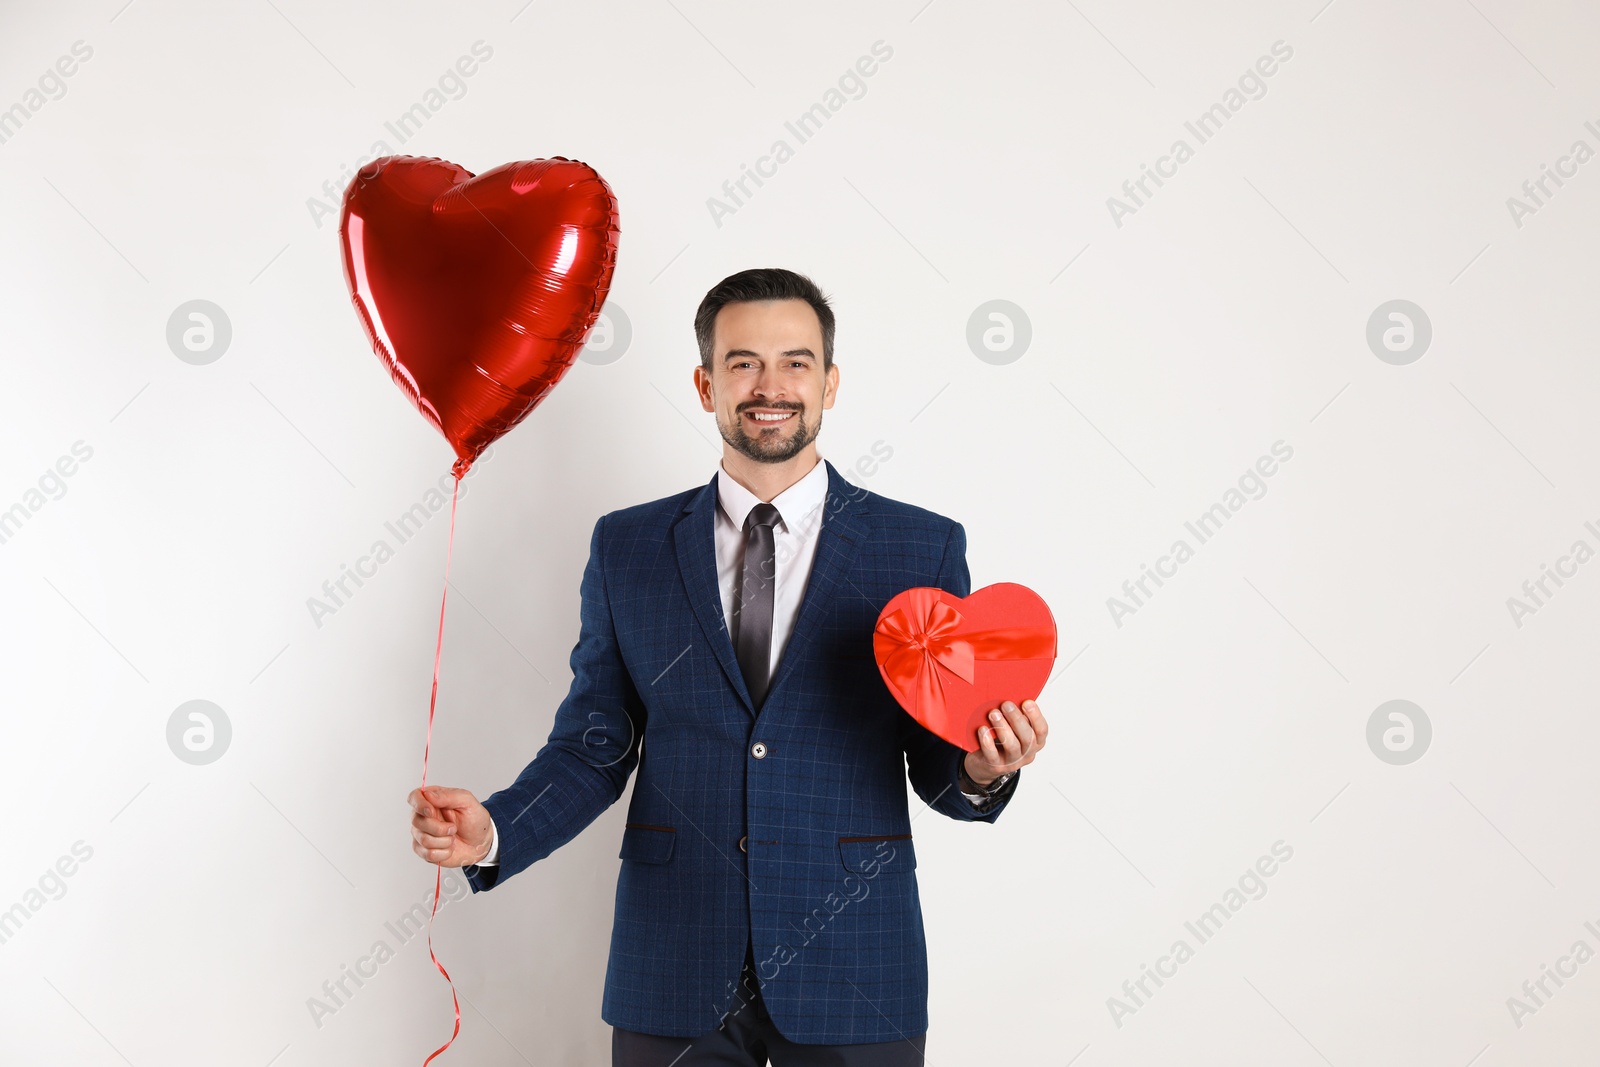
column 1168, row 354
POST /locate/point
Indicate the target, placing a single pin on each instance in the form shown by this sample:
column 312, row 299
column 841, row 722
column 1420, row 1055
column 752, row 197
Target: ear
column 830, row 386
column 702, row 385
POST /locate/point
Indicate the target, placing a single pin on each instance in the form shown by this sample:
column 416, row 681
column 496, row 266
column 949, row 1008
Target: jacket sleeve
column 592, row 749
column 933, row 762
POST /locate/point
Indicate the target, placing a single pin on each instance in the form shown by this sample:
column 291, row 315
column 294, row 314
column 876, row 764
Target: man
column 725, row 649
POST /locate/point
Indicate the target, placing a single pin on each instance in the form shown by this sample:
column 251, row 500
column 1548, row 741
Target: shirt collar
column 794, row 504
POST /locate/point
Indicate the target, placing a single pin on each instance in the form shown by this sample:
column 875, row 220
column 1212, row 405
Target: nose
column 769, row 386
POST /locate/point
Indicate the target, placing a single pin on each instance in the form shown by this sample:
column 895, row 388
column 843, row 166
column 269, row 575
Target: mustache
column 774, row 407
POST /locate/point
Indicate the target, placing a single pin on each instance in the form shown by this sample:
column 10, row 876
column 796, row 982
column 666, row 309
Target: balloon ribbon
column 433, row 699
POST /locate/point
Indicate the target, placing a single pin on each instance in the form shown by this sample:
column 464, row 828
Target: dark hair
column 761, row 283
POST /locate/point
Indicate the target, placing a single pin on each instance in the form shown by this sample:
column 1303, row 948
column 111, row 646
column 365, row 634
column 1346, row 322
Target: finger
column 446, row 797
column 991, row 756
column 432, row 855
column 433, row 827
column 1041, row 729
column 1005, row 740
column 434, row 841
column 1020, row 727
column 420, row 804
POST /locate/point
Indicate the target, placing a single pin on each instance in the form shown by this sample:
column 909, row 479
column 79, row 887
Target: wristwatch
column 985, row 791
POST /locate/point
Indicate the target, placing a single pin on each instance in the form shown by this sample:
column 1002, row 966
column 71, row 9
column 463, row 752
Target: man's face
column 766, row 385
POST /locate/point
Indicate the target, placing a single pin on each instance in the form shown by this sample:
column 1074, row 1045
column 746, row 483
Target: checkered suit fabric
column 805, row 850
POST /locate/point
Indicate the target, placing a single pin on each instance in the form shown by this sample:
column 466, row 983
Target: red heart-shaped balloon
column 477, row 292
column 950, row 660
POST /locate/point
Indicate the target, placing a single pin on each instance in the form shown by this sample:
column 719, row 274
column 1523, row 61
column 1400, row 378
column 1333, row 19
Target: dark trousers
column 747, row 1038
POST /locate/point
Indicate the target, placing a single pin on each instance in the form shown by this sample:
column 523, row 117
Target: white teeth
column 761, row 417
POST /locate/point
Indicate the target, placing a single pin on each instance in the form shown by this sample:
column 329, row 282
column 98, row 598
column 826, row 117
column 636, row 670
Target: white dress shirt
column 794, row 547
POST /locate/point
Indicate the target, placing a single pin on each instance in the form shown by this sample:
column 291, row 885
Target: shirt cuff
column 493, row 858
column 987, row 799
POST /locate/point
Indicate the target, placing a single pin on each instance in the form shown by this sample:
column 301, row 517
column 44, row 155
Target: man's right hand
column 448, row 826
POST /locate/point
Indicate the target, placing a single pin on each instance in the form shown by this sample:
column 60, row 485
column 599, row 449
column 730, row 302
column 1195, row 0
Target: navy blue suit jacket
column 805, row 850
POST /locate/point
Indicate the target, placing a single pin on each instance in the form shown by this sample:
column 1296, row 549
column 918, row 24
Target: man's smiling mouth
column 769, row 418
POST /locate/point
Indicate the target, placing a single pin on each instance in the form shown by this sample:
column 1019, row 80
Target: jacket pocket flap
column 878, row 854
column 647, row 844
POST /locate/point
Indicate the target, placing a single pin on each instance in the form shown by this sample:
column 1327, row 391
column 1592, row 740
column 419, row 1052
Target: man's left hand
column 1011, row 739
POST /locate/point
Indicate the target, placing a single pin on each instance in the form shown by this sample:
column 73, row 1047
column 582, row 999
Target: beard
column 771, row 445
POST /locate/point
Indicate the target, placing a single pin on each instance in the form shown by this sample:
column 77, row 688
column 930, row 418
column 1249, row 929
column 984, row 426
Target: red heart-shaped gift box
column 950, row 660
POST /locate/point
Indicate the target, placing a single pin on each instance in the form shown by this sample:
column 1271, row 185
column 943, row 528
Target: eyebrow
column 745, row 353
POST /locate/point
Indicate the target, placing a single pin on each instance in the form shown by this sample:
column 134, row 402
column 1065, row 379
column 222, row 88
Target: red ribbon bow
column 919, row 643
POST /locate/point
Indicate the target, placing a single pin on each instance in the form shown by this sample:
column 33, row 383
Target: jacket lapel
column 844, row 525
column 694, row 535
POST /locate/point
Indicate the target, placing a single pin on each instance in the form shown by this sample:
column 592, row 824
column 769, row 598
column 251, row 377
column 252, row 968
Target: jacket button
column 741, row 844
column 758, row 750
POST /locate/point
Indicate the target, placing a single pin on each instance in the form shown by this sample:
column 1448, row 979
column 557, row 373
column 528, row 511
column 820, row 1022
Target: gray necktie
column 752, row 608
